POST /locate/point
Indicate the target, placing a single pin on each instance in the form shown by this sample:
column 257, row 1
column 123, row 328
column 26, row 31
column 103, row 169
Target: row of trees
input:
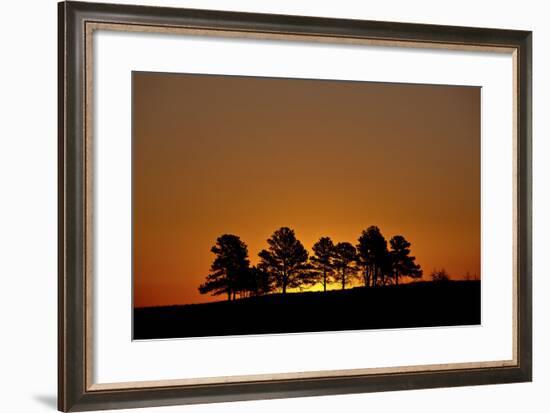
column 287, row 264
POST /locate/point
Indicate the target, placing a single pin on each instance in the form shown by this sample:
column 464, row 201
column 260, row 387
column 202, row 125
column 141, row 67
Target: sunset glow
column 217, row 155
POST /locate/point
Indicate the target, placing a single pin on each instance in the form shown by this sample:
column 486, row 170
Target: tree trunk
column 228, row 294
column 343, row 279
column 396, row 278
column 325, row 280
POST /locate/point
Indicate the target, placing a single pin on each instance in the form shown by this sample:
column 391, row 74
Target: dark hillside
column 422, row 304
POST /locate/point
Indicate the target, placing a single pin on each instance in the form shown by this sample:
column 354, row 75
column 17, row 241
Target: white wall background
column 28, row 65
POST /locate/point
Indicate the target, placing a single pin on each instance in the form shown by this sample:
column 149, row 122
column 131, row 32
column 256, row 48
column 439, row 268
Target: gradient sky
column 244, row 155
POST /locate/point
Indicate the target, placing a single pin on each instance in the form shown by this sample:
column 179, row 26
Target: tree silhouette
column 386, row 275
column 286, row 264
column 322, row 260
column 402, row 264
column 286, row 260
column 228, row 268
column 244, row 283
column 372, row 251
column 261, row 281
column 345, row 255
column 365, row 258
column 440, row 275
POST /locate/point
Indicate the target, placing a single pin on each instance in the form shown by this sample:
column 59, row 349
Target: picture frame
column 77, row 390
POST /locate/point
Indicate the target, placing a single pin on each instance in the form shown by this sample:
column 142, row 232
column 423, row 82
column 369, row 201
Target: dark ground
column 422, row 304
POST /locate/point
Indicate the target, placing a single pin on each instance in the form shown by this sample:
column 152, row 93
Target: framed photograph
column 262, row 206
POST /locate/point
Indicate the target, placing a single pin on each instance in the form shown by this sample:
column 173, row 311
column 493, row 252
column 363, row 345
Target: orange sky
column 242, row 155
